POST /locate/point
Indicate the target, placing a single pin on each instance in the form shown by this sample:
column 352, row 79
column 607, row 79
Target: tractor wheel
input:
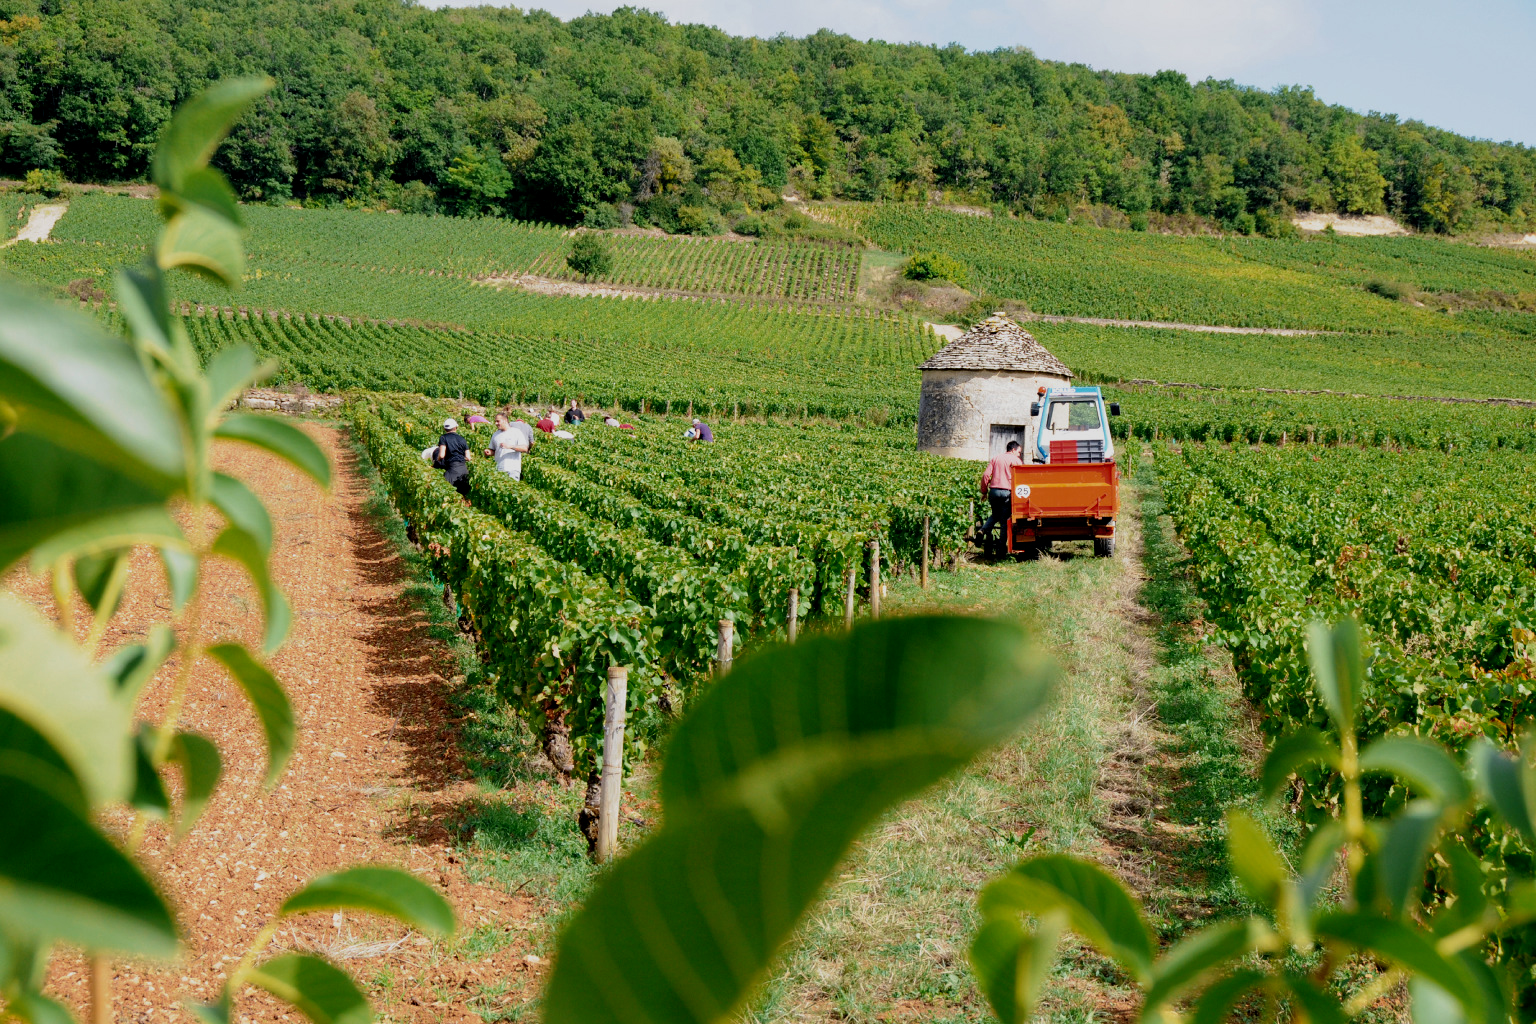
column 1103, row 547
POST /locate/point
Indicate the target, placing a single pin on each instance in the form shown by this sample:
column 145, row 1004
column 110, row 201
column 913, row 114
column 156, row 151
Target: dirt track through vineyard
column 374, row 778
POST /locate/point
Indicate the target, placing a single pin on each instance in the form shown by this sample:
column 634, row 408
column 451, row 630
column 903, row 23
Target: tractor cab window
column 1074, row 414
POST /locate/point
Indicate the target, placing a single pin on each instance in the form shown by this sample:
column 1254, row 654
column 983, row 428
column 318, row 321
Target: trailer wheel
column 1103, row 547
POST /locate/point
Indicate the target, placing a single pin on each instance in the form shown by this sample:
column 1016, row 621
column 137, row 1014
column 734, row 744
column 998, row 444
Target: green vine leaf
column 376, row 890
column 321, row 991
column 268, row 700
column 776, row 770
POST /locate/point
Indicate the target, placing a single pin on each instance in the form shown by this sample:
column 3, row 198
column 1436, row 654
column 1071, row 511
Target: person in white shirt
column 508, row 444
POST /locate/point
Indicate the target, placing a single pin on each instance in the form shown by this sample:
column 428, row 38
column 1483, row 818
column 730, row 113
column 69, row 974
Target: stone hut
column 977, row 390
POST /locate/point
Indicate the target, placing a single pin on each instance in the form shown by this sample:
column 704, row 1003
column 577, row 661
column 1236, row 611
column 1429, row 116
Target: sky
column 1468, row 65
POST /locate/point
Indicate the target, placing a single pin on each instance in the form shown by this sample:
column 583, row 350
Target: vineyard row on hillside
column 633, row 545
column 1435, row 557
column 1243, row 282
column 470, row 249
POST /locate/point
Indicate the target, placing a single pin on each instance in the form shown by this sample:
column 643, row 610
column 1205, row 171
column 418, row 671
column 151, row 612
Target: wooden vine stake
column 794, row 613
column 923, row 572
column 723, row 649
column 853, row 571
column 101, row 990
column 612, row 789
column 874, row 579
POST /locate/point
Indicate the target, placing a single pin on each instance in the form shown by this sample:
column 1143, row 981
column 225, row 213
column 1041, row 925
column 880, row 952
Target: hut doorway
column 1002, row 433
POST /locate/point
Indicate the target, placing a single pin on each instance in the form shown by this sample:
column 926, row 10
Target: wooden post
column 853, row 571
column 613, row 763
column 923, row 573
column 101, row 990
column 723, row 649
column 794, row 613
column 874, row 579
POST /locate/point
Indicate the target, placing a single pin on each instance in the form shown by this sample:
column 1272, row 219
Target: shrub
column 751, row 224
column 1394, row 290
column 604, row 216
column 1275, row 223
column 590, row 256
column 416, row 197
column 935, row 266
column 47, row 182
column 698, row 220
column 1139, row 221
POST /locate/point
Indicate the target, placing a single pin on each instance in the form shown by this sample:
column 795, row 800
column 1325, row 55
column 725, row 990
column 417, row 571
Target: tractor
column 1070, row 490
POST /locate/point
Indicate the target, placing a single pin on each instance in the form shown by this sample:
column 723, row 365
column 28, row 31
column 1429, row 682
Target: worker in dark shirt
column 700, row 431
column 574, row 415
column 453, row 453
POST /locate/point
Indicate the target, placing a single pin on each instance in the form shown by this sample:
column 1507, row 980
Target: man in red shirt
column 547, row 424
column 997, row 484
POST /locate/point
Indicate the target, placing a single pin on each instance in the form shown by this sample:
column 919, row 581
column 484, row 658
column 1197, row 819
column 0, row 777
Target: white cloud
column 1200, row 37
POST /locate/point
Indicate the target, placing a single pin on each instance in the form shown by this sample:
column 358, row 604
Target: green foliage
column 1354, row 175
column 44, row 182
column 552, row 659
column 1248, row 282
column 654, row 541
column 70, row 752
column 936, row 266
column 770, row 777
column 589, row 255
column 838, row 729
column 1433, row 556
column 1394, row 290
column 1446, row 942
column 528, row 116
column 1253, row 417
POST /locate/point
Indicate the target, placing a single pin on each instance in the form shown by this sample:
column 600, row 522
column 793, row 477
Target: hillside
column 613, row 118
column 607, row 689
column 765, row 327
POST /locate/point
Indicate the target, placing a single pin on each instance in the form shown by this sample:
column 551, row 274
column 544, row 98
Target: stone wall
column 288, row 401
column 957, row 408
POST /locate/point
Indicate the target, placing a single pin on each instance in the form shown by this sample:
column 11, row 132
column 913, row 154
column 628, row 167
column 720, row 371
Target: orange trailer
column 1071, row 501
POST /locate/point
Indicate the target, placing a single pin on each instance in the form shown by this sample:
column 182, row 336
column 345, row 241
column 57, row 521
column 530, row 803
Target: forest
column 612, row 118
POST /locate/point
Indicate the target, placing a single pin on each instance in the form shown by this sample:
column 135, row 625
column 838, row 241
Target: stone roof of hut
column 997, row 343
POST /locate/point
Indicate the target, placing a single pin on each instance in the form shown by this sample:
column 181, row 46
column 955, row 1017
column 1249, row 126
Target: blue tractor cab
column 1070, row 427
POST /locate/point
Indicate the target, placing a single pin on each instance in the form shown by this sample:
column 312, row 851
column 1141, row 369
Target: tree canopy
column 497, row 111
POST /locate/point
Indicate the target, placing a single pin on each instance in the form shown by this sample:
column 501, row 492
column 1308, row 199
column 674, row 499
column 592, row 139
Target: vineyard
column 1245, row 282
column 312, row 242
column 1252, row 417
column 742, row 362
column 1436, row 556
column 1456, row 360
column 795, row 273
column 742, row 352
column 13, row 212
column 631, row 546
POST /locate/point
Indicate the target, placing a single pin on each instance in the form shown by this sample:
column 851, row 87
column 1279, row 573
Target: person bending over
column 997, row 483
column 453, row 453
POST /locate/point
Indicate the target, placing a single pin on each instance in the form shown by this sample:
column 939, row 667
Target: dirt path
column 1523, row 403
column 375, row 776
column 39, row 224
column 1167, row 325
